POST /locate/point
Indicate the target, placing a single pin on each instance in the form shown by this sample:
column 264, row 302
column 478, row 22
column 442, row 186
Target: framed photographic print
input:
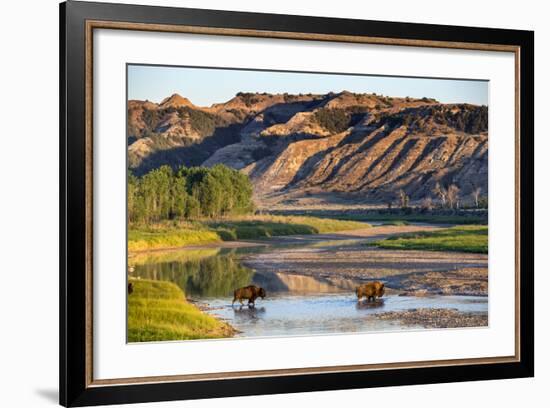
column 256, row 203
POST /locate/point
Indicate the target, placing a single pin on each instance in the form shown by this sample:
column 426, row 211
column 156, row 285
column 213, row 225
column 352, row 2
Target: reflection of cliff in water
column 212, row 276
column 300, row 284
column 215, row 274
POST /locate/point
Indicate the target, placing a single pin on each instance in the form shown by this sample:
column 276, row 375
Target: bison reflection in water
column 370, row 305
column 248, row 314
column 251, row 293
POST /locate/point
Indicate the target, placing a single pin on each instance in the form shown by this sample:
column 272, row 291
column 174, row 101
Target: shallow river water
column 295, row 304
column 287, row 314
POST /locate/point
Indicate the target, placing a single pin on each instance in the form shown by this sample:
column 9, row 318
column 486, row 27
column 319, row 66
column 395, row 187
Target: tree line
column 187, row 193
column 449, row 197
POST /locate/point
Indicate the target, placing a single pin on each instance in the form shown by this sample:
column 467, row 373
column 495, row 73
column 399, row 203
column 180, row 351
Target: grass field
column 191, row 255
column 396, row 223
column 172, row 235
column 265, row 226
column 432, row 219
column 158, row 311
column 460, row 239
column 400, row 219
column 169, row 237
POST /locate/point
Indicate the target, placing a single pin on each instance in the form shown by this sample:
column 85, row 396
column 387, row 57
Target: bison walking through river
column 251, row 293
column 370, row 290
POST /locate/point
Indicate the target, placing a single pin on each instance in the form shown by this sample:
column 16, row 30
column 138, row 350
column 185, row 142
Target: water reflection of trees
column 212, row 276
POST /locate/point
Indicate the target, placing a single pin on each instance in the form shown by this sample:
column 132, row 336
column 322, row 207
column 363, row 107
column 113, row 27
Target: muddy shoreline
column 344, row 255
column 411, row 273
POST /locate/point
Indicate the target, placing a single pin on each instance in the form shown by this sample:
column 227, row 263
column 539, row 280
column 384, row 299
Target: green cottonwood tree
column 163, row 194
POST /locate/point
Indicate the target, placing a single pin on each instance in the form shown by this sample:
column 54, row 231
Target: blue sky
column 205, row 86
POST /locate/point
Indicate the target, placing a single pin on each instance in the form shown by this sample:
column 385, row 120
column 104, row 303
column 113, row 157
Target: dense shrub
column 249, row 98
column 151, row 118
column 163, row 194
column 334, row 120
column 468, row 118
column 202, row 122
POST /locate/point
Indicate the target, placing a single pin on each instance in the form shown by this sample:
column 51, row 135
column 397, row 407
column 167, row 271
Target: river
column 310, row 285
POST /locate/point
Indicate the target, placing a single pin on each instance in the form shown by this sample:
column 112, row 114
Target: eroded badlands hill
column 338, row 148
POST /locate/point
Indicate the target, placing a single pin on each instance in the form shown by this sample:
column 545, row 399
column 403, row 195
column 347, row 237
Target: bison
column 370, row 290
column 251, row 293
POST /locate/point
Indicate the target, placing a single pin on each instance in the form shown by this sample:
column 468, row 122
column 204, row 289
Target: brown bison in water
column 251, row 293
column 370, row 290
